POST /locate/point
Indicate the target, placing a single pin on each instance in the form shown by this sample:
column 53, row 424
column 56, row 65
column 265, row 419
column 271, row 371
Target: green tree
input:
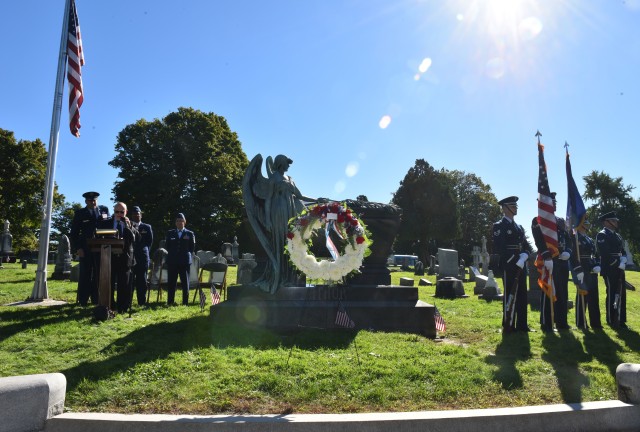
column 609, row 194
column 429, row 212
column 22, row 176
column 477, row 209
column 61, row 220
column 189, row 162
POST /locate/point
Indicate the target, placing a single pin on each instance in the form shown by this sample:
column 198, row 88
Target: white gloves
column 564, row 256
column 622, row 265
column 596, row 269
column 549, row 265
column 580, row 277
column 523, row 258
column 623, row 260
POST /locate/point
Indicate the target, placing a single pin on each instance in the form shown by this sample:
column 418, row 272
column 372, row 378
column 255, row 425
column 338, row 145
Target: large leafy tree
column 609, row 194
column 429, row 212
column 188, row 162
column 477, row 209
column 22, row 176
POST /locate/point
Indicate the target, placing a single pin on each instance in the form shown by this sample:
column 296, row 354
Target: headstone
column 448, row 263
column 630, row 262
column 462, row 274
column 227, row 252
column 425, row 282
column 484, row 257
column 418, row 269
column 472, row 273
column 63, row 260
column 159, row 257
column 406, row 281
column 432, row 265
column 235, row 250
column 475, row 256
column 75, row 273
column 450, row 287
column 246, row 264
column 194, row 271
column 205, row 257
column 220, row 259
column 6, row 242
column 491, row 289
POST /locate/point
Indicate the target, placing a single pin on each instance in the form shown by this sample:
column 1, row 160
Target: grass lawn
column 173, row 360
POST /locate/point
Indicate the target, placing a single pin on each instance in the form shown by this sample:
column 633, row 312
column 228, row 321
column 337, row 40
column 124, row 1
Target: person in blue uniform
column 122, row 262
column 180, row 244
column 586, row 262
column 141, row 252
column 613, row 260
column 509, row 241
column 83, row 227
column 560, row 270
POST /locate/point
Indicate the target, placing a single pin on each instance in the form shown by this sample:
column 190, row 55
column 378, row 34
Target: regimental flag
column 545, row 280
column 546, row 216
column 215, row 296
column 203, row 298
column 576, row 213
column 75, row 59
column 342, row 318
column 440, row 325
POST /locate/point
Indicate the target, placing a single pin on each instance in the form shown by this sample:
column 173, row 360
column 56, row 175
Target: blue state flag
column 576, row 213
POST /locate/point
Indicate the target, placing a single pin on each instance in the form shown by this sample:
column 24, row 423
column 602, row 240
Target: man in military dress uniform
column 559, row 266
column 613, row 260
column 83, row 227
column 510, row 243
column 141, row 251
column 180, row 244
column 586, row 268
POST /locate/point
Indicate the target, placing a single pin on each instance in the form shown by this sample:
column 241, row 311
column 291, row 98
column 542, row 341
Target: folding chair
column 217, row 278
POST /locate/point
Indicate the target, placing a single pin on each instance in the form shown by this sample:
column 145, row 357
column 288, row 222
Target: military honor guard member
column 613, row 260
column 141, row 252
column 586, row 262
column 180, row 244
column 510, row 243
column 121, row 263
column 83, row 227
column 560, row 273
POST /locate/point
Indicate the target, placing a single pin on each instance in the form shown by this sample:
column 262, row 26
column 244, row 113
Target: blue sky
column 353, row 91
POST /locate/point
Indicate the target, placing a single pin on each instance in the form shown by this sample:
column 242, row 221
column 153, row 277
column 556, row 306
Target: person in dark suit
column 121, row 263
column 613, row 260
column 510, row 243
column 83, row 227
column 180, row 244
column 586, row 268
column 559, row 266
column 141, row 252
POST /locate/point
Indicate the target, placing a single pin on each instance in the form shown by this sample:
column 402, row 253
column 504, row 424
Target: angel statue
column 270, row 203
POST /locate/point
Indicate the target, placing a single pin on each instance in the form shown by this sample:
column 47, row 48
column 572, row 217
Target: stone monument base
column 450, row 287
column 386, row 308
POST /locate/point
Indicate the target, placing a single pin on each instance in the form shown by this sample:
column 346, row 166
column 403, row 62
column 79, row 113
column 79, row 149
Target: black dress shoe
column 624, row 326
column 564, row 327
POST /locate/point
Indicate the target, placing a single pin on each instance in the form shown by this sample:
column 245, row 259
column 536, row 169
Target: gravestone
column 491, row 289
column 6, row 243
column 246, row 264
column 158, row 261
column 432, row 265
column 475, row 256
column 235, row 250
column 447, row 263
column 484, row 257
column 472, row 273
column 194, row 271
column 418, row 268
column 462, row 273
column 406, row 281
column 74, row 276
column 62, row 269
column 480, row 279
column 205, row 257
column 227, row 252
column 630, row 263
column 450, row 287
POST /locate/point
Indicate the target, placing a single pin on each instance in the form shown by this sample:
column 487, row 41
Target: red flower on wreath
column 354, row 222
column 340, row 218
column 290, row 235
column 359, row 240
column 304, row 221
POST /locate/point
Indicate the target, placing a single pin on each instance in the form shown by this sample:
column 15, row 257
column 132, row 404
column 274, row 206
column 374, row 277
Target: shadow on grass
column 513, row 347
column 565, row 353
column 29, row 318
column 161, row 340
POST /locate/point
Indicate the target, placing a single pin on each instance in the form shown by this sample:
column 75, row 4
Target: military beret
column 136, row 209
column 180, row 216
column 91, row 195
column 609, row 215
column 508, row 200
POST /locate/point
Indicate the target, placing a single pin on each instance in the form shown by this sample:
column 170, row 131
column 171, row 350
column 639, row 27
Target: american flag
column 342, row 318
column 215, row 296
column 440, row 325
column 75, row 58
column 203, row 299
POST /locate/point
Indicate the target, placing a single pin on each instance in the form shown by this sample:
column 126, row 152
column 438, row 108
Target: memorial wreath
column 334, row 217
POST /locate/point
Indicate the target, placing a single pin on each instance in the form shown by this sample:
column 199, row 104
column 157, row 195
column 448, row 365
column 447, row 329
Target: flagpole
column 40, row 291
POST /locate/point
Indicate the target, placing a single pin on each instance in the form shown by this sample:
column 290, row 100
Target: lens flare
column 425, row 65
column 352, row 169
column 340, row 186
column 384, row 122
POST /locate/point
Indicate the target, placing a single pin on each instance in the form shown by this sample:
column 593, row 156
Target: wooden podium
column 107, row 245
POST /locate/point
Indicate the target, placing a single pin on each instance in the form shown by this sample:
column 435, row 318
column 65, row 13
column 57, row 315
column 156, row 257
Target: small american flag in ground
column 440, row 325
column 203, row 299
column 75, row 59
column 215, row 296
column 342, row 318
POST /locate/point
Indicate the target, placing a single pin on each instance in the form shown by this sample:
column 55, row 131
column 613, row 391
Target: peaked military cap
column 609, row 215
column 91, row 195
column 508, row 200
column 180, row 216
column 136, row 209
